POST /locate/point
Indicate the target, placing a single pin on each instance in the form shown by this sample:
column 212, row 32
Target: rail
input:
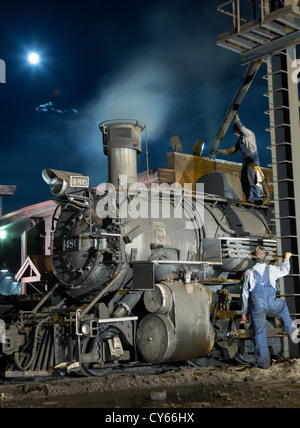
column 235, row 13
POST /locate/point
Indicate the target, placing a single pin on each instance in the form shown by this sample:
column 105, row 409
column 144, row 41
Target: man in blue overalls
column 259, row 298
column 251, row 164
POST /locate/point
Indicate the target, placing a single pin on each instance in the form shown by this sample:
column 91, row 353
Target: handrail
column 236, row 13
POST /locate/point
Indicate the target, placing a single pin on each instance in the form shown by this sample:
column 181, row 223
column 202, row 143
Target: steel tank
column 178, row 327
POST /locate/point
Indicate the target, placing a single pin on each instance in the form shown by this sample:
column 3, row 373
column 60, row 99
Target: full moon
column 33, row 58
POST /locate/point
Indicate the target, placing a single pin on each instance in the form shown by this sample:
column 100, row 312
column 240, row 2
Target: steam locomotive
column 144, row 275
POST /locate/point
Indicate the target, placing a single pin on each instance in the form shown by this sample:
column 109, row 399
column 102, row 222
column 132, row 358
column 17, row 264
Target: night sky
column 151, row 60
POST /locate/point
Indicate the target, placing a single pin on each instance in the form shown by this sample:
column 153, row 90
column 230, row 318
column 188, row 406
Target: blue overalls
column 263, row 302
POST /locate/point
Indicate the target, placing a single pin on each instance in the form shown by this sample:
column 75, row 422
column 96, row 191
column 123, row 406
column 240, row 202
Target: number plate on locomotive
column 71, row 244
column 79, row 181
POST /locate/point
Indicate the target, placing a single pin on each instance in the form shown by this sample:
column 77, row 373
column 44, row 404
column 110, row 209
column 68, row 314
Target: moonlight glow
column 33, row 58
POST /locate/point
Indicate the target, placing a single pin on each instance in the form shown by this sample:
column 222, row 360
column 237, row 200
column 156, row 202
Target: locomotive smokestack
column 122, row 143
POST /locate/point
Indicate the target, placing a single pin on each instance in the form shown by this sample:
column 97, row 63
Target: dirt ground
column 182, row 388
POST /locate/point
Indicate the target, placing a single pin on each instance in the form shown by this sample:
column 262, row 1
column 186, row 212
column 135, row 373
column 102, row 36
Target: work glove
column 220, row 152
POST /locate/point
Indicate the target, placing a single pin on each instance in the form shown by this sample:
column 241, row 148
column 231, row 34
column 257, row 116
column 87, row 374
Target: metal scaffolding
column 273, row 38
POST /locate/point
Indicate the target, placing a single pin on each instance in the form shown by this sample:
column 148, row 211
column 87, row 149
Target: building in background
column 24, row 249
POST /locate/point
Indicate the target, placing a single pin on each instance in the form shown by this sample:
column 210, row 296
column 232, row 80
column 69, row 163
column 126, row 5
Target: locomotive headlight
column 57, row 186
column 63, row 182
column 3, row 234
column 85, row 329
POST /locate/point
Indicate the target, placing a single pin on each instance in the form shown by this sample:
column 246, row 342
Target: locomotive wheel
column 89, row 345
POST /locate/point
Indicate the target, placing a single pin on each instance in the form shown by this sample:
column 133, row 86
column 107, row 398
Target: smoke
column 142, row 90
column 178, row 69
column 173, row 79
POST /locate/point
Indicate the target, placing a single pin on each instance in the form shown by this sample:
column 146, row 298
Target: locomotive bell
column 122, row 143
column 63, row 182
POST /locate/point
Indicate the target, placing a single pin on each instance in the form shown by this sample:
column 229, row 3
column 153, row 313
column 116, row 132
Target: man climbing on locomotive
column 259, row 299
column 251, row 175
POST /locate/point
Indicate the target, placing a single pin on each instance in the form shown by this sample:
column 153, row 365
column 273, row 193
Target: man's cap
column 259, row 253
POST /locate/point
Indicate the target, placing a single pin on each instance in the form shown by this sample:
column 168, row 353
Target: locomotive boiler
column 145, row 274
